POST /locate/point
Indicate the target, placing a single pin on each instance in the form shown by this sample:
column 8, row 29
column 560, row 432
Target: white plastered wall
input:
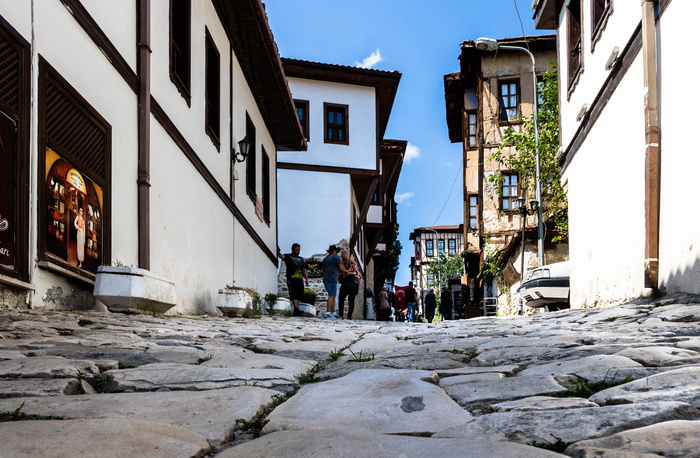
column 679, row 262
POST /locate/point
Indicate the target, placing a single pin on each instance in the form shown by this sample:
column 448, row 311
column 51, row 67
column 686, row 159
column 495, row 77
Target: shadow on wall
column 685, row 280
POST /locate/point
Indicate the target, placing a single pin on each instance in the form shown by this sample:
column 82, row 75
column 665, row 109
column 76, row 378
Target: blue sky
column 421, row 39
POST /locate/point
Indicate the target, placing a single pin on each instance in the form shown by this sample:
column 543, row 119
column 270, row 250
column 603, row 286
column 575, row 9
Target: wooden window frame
column 512, row 195
column 475, row 217
column 599, row 16
column 574, row 43
column 266, row 185
column 429, row 248
column 336, row 127
column 251, row 161
column 303, row 105
column 472, row 130
column 181, row 47
column 451, row 246
column 503, row 108
column 441, row 246
column 212, row 90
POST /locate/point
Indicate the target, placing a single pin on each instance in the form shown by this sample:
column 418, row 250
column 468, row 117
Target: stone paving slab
column 570, row 425
column 151, row 377
column 542, row 403
column 672, row 438
column 103, row 437
column 39, row 387
column 46, row 367
column 366, row 444
column 387, row 401
column 211, row 413
column 469, row 392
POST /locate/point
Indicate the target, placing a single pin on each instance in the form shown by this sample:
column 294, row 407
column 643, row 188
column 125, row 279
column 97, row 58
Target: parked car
column 547, row 286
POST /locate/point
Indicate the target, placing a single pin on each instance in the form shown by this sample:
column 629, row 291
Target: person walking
column 349, row 284
column 446, row 304
column 296, row 274
column 430, row 304
column 332, row 267
column 384, row 312
column 411, row 302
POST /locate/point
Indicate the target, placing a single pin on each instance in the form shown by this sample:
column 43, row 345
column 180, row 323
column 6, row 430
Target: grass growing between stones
column 559, row 446
column 102, row 383
column 255, row 425
column 583, row 389
column 335, row 354
column 18, row 415
column 310, row 375
column 359, row 357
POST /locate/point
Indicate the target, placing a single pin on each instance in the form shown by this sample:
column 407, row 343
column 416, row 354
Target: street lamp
column 519, row 205
column 489, row 44
column 421, row 228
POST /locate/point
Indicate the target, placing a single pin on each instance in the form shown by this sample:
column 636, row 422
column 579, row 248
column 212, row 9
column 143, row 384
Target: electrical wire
column 459, row 170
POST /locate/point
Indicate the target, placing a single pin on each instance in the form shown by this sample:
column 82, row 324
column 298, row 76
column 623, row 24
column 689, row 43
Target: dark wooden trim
column 177, row 137
column 144, row 131
column 607, row 90
column 22, row 157
column 346, row 123
column 182, row 86
column 363, row 213
column 326, row 168
column 89, row 25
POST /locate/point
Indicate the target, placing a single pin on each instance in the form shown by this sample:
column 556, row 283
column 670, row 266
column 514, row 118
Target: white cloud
column 412, row 152
column 370, row 61
column 403, row 197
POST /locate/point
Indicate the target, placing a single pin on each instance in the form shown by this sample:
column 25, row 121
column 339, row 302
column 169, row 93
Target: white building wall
column 362, row 118
column 315, row 210
column 606, row 202
column 116, row 23
column 679, row 262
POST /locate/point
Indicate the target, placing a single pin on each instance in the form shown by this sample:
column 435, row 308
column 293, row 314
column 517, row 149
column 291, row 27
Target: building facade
column 428, row 244
column 341, row 189
column 120, row 130
column 489, row 94
column 624, row 148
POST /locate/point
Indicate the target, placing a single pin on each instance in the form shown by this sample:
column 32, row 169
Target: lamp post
column 489, row 44
column 421, row 228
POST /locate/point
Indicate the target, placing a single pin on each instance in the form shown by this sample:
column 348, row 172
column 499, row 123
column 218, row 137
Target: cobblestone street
column 621, row 381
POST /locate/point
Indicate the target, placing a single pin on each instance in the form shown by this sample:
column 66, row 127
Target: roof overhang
column 386, row 83
column 547, row 13
column 246, row 24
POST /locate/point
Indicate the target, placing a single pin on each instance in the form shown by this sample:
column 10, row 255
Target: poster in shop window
column 74, row 215
column 7, row 193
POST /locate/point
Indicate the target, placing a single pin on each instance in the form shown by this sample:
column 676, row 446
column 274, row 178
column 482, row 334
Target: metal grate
column 70, row 128
column 9, row 74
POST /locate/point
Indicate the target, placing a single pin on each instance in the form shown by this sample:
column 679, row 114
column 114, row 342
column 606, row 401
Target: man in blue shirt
column 332, row 266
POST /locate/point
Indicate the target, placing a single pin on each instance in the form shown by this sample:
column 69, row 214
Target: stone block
column 130, row 290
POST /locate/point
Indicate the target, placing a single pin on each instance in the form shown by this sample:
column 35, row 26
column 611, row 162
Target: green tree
column 554, row 201
column 449, row 267
column 394, row 254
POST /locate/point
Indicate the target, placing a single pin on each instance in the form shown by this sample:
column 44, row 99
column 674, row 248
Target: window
column 451, row 246
column 212, row 92
column 471, row 129
column 441, row 246
column 266, row 185
column 600, row 8
column 251, row 162
column 509, row 96
column 375, row 197
column 180, row 44
column 473, row 211
column 429, row 248
column 336, row 124
column 431, row 278
column 302, row 107
column 509, row 190
column 574, row 39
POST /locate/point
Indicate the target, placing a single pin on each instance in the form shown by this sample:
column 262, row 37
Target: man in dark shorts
column 296, row 275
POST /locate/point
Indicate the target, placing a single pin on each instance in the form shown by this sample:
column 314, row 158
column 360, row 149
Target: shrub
column 310, row 296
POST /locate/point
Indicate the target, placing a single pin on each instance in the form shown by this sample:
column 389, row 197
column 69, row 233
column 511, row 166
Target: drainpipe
column 652, row 156
column 144, row 133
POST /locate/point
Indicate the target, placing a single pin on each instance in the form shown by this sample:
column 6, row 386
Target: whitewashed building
column 125, row 119
column 341, row 189
column 627, row 152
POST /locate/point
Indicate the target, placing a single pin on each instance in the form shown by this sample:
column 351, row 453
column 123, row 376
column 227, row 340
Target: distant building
column 341, row 189
column 487, row 96
column 124, row 119
column 428, row 243
column 627, row 145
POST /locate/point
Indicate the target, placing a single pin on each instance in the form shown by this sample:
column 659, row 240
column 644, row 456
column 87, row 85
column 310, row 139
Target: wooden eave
column 546, row 14
column 454, row 106
column 386, row 83
column 392, row 153
column 248, row 30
